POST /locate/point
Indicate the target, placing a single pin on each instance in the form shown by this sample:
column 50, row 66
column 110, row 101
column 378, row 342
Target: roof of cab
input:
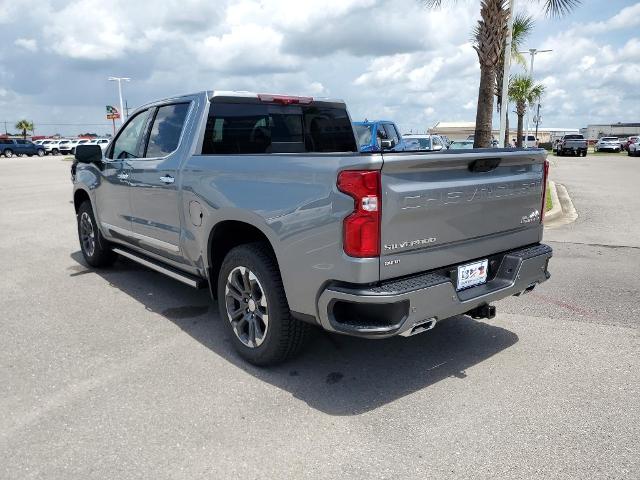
column 255, row 95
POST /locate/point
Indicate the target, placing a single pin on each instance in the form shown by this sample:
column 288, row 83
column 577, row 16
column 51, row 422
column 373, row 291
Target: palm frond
column 559, row 8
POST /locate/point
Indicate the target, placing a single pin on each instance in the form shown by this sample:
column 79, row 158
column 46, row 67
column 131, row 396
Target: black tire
column 101, row 254
column 8, row 153
column 55, row 151
column 40, row 152
column 283, row 336
column 558, row 153
column 584, row 153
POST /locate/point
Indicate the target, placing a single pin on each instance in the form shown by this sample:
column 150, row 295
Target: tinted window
column 21, row 142
column 392, row 134
column 267, row 128
column 573, row 137
column 127, row 144
column 166, row 130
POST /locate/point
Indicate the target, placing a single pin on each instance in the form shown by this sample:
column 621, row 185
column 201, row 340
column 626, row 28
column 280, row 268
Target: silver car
column 633, row 150
column 423, row 142
column 608, row 144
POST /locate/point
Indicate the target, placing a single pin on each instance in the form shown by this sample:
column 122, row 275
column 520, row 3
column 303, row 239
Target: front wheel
column 95, row 249
column 254, row 308
column 40, row 152
column 55, row 151
column 8, row 153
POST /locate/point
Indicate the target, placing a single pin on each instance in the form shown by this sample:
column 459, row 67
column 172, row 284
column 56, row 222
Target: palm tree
column 489, row 42
column 522, row 26
column 24, row 125
column 522, row 91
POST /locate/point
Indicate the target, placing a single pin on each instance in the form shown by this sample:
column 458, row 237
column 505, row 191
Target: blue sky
column 386, row 58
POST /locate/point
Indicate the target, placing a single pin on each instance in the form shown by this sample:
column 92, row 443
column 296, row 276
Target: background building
column 594, row 132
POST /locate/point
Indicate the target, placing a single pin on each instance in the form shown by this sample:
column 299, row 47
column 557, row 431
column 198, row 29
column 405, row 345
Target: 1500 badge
column 409, row 243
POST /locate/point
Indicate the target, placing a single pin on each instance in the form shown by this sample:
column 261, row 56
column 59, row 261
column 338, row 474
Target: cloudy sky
column 387, row 58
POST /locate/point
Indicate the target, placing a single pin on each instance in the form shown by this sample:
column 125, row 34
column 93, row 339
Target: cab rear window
column 237, row 128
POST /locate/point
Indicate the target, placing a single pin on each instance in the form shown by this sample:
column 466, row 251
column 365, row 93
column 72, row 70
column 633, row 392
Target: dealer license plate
column 472, row 274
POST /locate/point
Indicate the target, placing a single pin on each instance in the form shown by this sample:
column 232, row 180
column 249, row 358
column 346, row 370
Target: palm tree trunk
column 520, row 130
column 506, row 129
column 484, row 114
column 24, row 133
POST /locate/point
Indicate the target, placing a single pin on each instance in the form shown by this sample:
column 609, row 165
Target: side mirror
column 88, row 154
column 386, row 143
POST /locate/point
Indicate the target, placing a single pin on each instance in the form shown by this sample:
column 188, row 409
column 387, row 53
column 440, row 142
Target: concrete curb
column 567, row 214
column 556, row 210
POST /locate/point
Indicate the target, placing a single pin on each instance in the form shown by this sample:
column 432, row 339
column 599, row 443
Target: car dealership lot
column 123, row 373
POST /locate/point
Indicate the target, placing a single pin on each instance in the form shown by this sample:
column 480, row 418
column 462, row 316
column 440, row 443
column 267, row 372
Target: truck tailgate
column 446, row 208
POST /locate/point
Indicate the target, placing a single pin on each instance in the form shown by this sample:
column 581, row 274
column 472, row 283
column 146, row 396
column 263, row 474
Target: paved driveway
column 123, row 373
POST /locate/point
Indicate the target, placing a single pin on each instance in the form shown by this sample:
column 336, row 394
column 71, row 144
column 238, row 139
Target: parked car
column 494, row 142
column 607, row 144
column 265, row 200
column 634, row 149
column 102, row 142
column 51, row 147
column 530, row 142
column 75, row 143
column 461, row 144
column 626, row 143
column 10, row 147
column 575, row 144
column 378, row 136
column 424, row 141
column 65, row 146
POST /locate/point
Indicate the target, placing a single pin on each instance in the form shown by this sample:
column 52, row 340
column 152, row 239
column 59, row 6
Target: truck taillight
column 361, row 229
column 544, row 189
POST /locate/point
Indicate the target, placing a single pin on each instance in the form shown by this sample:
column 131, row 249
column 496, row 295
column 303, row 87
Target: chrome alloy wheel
column 87, row 234
column 247, row 308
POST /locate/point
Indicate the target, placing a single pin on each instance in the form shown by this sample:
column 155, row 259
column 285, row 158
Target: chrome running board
column 187, row 279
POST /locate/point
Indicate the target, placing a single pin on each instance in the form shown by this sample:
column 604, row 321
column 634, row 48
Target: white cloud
column 30, row 44
column 387, row 58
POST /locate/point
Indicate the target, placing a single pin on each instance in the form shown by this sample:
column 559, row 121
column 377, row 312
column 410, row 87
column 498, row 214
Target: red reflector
column 284, row 99
column 544, row 189
column 361, row 229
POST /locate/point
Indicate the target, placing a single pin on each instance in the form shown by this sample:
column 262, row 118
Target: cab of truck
column 378, row 136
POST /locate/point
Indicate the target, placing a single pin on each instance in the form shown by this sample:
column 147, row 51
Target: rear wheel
column 55, row 151
column 95, row 249
column 40, row 152
column 8, row 153
column 254, row 308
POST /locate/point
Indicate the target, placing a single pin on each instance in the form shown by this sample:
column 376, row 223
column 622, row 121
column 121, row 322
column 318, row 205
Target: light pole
column 120, row 80
column 505, row 77
column 533, row 52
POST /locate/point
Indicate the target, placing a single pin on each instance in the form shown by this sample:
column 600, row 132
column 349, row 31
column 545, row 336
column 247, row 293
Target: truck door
column 154, row 180
column 113, row 196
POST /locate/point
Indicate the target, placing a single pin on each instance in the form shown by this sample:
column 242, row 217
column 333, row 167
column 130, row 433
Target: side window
column 127, row 145
column 392, row 134
column 166, row 130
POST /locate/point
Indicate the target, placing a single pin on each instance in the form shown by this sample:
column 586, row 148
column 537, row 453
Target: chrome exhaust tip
column 420, row 327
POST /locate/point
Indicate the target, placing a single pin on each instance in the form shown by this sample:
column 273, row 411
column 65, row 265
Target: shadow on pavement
column 336, row 374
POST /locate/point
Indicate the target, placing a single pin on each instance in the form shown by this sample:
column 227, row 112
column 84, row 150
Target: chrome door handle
column 168, row 179
column 123, row 176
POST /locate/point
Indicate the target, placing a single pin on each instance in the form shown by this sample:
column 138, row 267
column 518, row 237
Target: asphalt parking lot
column 124, row 373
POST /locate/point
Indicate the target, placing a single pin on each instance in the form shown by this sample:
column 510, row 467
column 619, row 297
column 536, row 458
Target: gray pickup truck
column 266, row 201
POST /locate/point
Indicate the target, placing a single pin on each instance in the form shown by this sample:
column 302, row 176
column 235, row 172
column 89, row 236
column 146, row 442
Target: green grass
column 548, row 203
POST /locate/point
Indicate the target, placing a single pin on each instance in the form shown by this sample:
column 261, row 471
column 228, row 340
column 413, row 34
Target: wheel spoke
column 252, row 332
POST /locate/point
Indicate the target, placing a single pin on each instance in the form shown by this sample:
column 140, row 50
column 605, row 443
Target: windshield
column 573, row 137
column 363, row 132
